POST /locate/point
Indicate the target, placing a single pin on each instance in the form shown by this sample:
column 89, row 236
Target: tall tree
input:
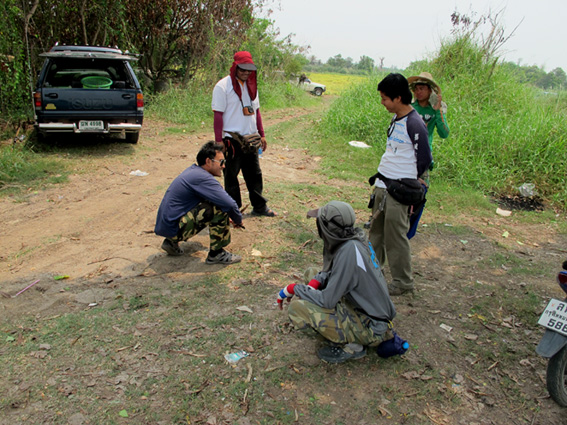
column 365, row 64
column 337, row 61
column 274, row 54
column 559, row 78
column 177, row 35
column 173, row 37
column 94, row 23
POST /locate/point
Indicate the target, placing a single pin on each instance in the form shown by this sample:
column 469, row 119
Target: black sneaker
column 172, row 248
column 224, row 257
column 335, row 354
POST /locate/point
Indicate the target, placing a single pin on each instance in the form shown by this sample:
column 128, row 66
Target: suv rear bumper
column 57, row 127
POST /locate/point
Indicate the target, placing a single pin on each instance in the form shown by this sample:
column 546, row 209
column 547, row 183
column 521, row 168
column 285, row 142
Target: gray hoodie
column 351, row 271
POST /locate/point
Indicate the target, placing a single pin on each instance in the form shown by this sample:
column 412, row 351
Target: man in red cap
column 237, row 117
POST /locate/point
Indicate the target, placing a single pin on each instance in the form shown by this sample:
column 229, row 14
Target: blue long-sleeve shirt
column 191, row 187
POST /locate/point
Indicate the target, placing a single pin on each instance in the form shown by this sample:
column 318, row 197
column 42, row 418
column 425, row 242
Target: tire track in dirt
column 100, row 223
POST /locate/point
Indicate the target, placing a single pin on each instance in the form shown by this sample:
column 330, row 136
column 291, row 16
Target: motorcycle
column 553, row 344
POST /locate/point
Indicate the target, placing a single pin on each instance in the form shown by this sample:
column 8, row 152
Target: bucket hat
column 339, row 213
column 424, row 78
column 335, row 225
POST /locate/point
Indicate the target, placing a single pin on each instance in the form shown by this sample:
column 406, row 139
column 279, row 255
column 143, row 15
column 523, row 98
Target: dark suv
column 84, row 89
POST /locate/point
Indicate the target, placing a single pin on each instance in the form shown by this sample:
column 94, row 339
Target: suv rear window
column 68, row 73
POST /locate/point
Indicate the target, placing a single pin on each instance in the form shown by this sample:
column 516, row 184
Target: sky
column 403, row 31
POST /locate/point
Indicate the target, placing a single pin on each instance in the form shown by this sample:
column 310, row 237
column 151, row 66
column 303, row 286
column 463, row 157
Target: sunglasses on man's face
column 221, row 162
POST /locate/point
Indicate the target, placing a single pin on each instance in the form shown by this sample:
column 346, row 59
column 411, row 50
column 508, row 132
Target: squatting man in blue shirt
column 195, row 200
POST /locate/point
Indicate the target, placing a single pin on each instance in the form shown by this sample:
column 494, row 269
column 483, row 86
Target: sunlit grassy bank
column 503, row 133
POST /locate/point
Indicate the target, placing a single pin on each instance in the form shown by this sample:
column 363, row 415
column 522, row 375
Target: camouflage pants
column 341, row 325
column 203, row 215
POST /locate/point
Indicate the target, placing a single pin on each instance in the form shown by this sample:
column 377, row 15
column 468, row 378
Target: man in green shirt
column 428, row 103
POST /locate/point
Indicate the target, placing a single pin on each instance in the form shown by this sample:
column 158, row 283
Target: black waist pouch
column 405, row 191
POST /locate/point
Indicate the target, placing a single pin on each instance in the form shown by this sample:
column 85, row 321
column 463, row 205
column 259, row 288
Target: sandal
column 266, row 212
column 171, row 247
column 224, row 257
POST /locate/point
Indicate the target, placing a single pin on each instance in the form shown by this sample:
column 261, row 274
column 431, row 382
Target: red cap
column 244, row 61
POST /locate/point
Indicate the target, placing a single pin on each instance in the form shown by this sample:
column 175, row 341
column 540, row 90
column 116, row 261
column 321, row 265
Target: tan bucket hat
column 424, row 78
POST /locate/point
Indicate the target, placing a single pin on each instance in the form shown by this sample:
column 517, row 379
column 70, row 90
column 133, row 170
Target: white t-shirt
column 226, row 100
column 405, row 136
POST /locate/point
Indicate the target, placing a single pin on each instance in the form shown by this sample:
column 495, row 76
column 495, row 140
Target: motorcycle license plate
column 554, row 316
column 91, row 125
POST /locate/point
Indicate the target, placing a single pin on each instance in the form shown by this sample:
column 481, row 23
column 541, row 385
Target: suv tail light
column 140, row 102
column 37, row 100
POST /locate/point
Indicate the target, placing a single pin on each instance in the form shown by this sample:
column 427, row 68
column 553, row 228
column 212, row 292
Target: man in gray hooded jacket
column 347, row 302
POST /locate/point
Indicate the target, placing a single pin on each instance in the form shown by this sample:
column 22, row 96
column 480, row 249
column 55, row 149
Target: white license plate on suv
column 91, row 126
column 554, row 316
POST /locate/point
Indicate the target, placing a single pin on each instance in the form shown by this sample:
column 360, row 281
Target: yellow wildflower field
column 337, row 83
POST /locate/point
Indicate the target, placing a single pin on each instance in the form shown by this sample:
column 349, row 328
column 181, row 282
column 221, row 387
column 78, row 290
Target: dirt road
column 98, row 230
column 100, row 224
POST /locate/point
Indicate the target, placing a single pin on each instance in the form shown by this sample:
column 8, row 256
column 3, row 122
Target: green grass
column 337, row 158
column 191, row 106
column 21, row 168
column 515, row 265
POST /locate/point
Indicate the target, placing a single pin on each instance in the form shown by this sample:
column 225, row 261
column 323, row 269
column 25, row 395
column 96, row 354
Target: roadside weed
column 21, row 167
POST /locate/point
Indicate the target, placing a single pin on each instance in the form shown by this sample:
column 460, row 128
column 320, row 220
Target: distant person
column 407, row 155
column 195, row 200
column 237, row 116
column 429, row 105
column 347, row 302
column 302, row 79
